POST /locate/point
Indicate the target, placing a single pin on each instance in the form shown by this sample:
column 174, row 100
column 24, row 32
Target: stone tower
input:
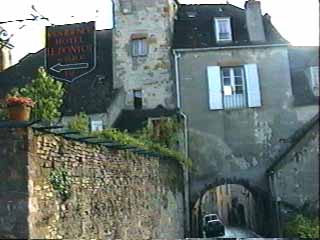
column 142, row 62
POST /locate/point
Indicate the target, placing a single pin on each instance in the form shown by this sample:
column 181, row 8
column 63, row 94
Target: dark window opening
column 137, row 99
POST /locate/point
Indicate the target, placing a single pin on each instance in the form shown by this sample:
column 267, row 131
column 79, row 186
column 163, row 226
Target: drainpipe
column 176, row 68
column 186, row 178
column 186, row 148
column 274, row 195
column 278, row 199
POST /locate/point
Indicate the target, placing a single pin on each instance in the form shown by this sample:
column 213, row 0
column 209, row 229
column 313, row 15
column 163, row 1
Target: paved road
column 237, row 232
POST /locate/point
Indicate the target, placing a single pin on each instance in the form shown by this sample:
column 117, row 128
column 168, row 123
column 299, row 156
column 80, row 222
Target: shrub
column 46, row 92
column 302, row 227
column 146, row 144
column 164, row 131
column 3, row 115
column 80, row 123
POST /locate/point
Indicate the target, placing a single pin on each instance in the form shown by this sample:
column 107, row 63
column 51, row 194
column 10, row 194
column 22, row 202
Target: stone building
column 238, row 87
column 237, row 83
column 223, row 199
column 142, row 36
column 243, row 205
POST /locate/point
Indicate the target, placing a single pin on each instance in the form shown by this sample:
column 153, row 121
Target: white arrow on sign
column 65, row 67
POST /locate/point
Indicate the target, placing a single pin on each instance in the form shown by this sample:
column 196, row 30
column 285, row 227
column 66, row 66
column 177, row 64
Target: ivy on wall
column 61, row 182
column 144, row 143
column 164, row 131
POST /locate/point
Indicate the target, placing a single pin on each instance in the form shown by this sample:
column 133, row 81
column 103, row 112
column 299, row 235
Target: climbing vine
column 61, row 182
column 80, row 123
column 164, row 131
column 144, row 143
column 161, row 136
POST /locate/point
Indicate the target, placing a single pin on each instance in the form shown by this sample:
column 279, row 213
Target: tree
column 47, row 93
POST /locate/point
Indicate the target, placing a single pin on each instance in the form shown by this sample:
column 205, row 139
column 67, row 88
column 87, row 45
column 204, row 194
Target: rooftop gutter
column 229, row 47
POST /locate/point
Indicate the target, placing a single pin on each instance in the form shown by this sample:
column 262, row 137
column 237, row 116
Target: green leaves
column 3, row 114
column 164, row 131
column 302, row 227
column 144, row 143
column 47, row 93
column 61, row 182
column 80, row 123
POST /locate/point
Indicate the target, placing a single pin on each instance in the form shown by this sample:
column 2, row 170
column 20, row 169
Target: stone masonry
column 295, row 180
column 153, row 21
column 114, row 194
column 13, row 184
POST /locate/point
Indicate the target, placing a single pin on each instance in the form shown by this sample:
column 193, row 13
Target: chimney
column 254, row 21
column 126, row 6
column 267, row 16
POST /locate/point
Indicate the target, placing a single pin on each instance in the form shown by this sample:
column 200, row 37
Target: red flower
column 20, row 100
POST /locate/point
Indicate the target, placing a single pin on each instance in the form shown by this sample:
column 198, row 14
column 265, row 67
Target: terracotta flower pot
column 19, row 112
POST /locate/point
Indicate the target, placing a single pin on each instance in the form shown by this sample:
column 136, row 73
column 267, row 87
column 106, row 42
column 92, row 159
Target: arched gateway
column 261, row 208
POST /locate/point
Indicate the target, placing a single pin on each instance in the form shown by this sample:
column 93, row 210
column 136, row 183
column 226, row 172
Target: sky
column 296, row 20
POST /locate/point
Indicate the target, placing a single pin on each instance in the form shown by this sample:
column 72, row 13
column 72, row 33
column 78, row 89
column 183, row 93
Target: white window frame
column 233, row 86
column 252, row 92
column 217, row 29
column 314, row 80
column 232, row 77
column 139, row 47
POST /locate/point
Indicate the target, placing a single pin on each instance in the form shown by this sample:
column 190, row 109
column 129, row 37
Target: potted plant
column 46, row 92
column 19, row 108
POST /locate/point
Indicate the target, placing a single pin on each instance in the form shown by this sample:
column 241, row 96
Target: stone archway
column 261, row 214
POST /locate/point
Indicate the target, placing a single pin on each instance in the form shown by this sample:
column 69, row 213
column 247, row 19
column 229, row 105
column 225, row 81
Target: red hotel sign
column 70, row 50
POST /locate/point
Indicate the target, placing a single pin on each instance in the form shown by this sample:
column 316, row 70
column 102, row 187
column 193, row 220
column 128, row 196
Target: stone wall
column 152, row 20
column 295, row 179
column 13, row 184
column 114, row 194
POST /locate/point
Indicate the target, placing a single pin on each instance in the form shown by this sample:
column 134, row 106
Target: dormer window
column 223, row 29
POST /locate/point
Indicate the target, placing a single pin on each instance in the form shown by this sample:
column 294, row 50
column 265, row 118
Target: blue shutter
column 253, row 85
column 214, row 86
